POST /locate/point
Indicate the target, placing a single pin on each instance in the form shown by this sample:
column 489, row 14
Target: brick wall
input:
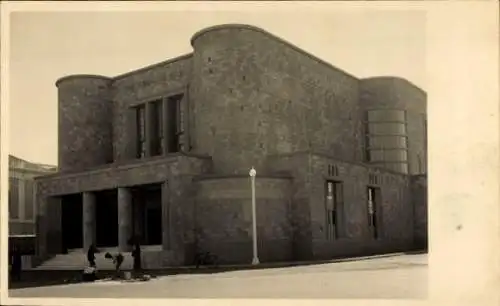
column 85, row 131
column 254, row 95
column 224, row 218
column 419, row 200
column 310, row 172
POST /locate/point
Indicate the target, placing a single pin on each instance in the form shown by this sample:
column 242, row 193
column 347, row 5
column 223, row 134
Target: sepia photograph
column 203, row 154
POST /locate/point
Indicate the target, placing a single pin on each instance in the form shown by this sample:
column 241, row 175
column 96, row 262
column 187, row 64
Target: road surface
column 402, row 277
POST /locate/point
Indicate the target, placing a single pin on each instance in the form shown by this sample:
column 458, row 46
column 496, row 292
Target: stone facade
column 248, row 99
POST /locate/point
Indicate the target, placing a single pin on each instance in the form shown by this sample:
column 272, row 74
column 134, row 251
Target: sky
column 45, row 46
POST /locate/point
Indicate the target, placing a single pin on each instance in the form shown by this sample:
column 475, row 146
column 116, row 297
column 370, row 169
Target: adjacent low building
column 22, row 208
column 163, row 153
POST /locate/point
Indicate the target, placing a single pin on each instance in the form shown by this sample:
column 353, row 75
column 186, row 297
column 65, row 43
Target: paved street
column 390, row 277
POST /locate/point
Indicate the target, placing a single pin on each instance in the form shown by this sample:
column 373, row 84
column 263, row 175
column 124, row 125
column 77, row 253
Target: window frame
column 333, row 214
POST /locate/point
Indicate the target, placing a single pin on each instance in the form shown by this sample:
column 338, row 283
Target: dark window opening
column 174, row 123
column 157, row 127
column 141, row 130
column 334, row 204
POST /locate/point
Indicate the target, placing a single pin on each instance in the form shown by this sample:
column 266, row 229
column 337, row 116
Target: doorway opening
column 71, row 222
column 147, row 214
column 106, row 214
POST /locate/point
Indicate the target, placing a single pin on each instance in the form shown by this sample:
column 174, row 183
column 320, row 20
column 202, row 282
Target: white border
column 462, row 59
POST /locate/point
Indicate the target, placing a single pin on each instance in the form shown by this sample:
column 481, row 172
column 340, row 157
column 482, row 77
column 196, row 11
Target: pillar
column 137, row 219
column 124, row 219
column 166, row 126
column 89, row 219
column 165, row 219
column 148, row 112
column 53, row 225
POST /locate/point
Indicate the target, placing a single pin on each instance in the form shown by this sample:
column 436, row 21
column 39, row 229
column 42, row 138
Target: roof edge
column 165, row 62
column 273, row 36
column 394, row 78
column 82, row 76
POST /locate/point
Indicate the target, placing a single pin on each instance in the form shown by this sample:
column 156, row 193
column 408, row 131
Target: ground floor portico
column 149, row 200
column 110, row 218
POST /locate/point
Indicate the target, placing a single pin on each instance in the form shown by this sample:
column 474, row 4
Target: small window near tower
column 333, row 204
column 373, row 216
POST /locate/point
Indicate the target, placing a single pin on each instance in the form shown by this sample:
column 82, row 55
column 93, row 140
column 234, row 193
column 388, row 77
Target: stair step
column 77, row 260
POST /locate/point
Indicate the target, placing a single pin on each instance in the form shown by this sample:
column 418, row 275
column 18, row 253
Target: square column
column 148, row 120
column 89, row 221
column 166, row 126
column 165, row 219
column 124, row 219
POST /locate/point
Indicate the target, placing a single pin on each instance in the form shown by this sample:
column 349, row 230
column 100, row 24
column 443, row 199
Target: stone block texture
column 250, row 99
column 419, row 192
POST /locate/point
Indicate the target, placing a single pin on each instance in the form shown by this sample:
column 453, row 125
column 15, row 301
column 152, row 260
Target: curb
column 242, row 266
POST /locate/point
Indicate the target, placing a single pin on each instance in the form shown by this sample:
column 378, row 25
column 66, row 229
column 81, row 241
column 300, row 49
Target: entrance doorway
column 71, row 222
column 106, row 214
column 147, row 225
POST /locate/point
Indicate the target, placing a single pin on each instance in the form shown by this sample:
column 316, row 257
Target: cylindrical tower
column 395, row 124
column 85, row 122
column 227, row 121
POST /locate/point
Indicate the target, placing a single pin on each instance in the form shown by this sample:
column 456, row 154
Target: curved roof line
column 262, row 31
column 86, row 76
column 394, row 78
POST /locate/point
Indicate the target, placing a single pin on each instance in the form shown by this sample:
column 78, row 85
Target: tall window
column 373, row 195
column 157, row 127
column 174, row 123
column 334, row 200
column 160, row 129
column 141, row 130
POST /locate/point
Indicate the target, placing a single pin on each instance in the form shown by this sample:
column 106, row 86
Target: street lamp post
column 255, row 260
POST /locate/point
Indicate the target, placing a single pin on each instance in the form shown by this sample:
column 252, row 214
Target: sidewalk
column 244, row 266
column 42, row 278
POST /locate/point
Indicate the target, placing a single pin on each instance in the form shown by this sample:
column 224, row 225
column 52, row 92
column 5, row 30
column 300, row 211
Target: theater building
column 164, row 153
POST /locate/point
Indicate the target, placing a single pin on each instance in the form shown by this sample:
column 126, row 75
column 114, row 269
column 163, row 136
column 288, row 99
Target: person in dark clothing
column 117, row 261
column 91, row 255
column 136, row 253
column 16, row 264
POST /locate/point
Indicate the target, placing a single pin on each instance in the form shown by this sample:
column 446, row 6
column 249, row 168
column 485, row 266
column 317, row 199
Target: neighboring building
column 166, row 150
column 22, row 210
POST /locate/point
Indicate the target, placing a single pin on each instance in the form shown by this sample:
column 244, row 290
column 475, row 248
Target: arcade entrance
column 146, row 217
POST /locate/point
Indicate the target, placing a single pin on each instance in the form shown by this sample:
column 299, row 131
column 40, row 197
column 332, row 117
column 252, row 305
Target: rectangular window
column 141, row 130
column 373, row 197
column 334, row 202
column 157, row 127
column 174, row 123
